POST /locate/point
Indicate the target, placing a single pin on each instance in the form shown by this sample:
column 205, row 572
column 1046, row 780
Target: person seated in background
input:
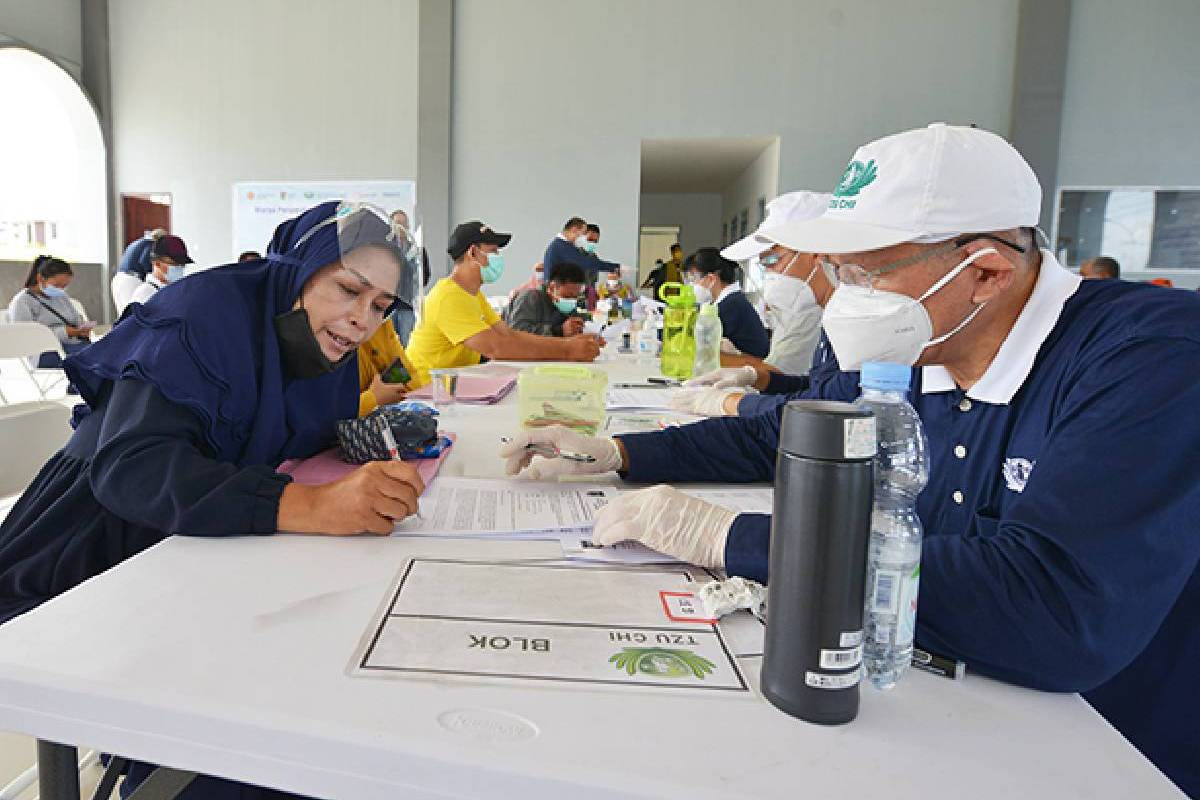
column 458, row 326
column 573, row 247
column 612, row 286
column 249, row 255
column 166, row 256
column 133, row 268
column 45, row 300
column 1060, row 548
column 715, row 280
column 794, row 288
column 385, row 373
column 536, row 281
column 1101, row 268
column 165, row 268
column 550, row 311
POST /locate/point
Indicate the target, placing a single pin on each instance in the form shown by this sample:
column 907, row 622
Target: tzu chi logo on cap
column 856, row 178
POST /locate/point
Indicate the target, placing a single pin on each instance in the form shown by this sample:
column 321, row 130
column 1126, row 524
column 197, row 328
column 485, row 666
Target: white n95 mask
column 865, row 324
column 788, row 294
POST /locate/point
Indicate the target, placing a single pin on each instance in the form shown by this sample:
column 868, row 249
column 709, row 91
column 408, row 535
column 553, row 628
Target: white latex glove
column 703, row 401
column 517, row 457
column 725, row 376
column 669, row 521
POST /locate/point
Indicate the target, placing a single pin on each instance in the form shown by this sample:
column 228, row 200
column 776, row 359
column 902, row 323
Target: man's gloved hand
column 519, row 456
column 669, row 521
column 725, row 376
column 703, row 401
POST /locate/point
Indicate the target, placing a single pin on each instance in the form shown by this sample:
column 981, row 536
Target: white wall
column 53, row 27
column 697, row 214
column 549, row 113
column 206, row 94
column 1131, row 112
column 760, row 179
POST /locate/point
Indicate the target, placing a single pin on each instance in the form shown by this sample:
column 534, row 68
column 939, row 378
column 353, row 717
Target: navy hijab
column 208, row 343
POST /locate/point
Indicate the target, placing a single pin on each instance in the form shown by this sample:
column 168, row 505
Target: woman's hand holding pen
column 372, row 499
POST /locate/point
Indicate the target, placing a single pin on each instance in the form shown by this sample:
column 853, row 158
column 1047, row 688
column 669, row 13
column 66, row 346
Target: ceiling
column 697, row 165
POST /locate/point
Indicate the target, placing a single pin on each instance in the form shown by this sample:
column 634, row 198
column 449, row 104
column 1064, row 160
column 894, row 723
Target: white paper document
column 633, row 628
column 505, row 508
column 656, row 398
column 633, row 422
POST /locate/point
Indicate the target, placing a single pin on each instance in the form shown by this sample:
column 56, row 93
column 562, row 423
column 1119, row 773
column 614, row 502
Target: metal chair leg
column 58, row 771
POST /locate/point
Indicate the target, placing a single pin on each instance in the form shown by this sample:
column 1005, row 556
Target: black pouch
column 414, row 429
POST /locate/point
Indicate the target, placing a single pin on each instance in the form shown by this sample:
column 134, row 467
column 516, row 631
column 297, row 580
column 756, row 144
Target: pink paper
column 485, row 388
column 328, row 466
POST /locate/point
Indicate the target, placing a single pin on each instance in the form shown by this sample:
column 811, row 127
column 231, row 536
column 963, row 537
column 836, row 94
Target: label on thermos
column 819, row 680
column 858, row 437
column 841, row 659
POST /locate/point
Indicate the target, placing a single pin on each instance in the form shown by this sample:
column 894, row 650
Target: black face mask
column 302, row 356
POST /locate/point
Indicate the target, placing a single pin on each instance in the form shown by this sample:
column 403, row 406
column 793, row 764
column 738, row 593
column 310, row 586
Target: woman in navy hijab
column 195, row 398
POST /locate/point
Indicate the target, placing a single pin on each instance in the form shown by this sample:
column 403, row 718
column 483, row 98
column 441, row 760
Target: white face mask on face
column 581, row 241
column 786, row 293
column 703, row 295
column 874, row 325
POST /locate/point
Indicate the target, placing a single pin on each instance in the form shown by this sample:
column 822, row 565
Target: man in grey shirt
column 550, row 310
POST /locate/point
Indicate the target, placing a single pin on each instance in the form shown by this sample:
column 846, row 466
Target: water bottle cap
column 885, row 376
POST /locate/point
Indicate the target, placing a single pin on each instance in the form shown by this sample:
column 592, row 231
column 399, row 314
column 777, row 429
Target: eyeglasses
column 857, row 275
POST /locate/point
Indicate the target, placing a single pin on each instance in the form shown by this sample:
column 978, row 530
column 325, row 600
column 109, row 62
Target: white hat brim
column 747, row 247
column 831, row 235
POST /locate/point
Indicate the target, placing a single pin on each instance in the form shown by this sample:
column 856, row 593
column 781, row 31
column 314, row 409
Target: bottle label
column 841, row 659
column 885, row 593
column 858, row 437
column 908, row 608
column 819, row 680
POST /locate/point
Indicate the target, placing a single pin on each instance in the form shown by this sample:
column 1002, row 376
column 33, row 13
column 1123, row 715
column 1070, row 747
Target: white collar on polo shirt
column 728, row 290
column 1014, row 361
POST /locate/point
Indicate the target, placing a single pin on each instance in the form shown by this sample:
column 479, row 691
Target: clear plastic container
column 562, row 395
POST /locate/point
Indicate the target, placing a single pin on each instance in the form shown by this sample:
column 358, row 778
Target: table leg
column 58, row 771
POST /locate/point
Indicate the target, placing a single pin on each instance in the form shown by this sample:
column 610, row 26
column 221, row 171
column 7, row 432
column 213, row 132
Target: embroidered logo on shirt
column 1016, row 473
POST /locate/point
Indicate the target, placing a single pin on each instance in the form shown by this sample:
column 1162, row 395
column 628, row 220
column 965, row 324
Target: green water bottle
column 679, row 325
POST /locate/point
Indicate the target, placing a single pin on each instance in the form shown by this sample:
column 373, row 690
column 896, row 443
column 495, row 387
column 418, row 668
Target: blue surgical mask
column 769, row 261
column 53, row 291
column 566, row 305
column 174, row 273
column 491, row 271
column 590, row 247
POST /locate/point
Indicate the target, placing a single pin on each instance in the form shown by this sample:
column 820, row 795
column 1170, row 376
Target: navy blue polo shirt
column 1061, row 517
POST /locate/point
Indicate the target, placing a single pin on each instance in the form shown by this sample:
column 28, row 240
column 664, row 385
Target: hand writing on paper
column 371, row 499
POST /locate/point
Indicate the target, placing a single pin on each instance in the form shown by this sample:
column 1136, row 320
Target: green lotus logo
column 662, row 663
column 856, row 178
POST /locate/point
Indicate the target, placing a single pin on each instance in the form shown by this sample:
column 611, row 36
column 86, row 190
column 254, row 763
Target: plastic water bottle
column 647, row 339
column 894, row 553
column 708, row 340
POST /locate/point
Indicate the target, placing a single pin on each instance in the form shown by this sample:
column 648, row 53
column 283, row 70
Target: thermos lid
column 828, row 430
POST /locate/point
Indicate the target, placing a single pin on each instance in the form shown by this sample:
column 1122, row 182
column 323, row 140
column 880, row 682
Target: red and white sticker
column 684, row 607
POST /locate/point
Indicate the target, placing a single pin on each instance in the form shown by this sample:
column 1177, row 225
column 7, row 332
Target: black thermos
column 819, row 533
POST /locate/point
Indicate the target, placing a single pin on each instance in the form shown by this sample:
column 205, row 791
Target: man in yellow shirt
column 458, row 326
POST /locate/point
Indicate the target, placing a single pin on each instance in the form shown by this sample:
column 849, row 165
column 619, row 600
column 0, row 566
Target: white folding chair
column 29, row 434
column 25, row 341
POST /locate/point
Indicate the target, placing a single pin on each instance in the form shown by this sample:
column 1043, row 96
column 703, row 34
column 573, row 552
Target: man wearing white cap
column 1060, row 516
column 795, row 290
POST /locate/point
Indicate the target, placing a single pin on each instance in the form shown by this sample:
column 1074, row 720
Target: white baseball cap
column 924, row 185
column 787, row 208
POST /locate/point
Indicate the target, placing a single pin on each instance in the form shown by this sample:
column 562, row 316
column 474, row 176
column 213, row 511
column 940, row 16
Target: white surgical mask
column 787, row 293
column 581, row 241
column 866, row 324
column 703, row 295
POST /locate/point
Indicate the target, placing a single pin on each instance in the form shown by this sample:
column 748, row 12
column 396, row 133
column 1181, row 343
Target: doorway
column 654, row 244
column 142, row 213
